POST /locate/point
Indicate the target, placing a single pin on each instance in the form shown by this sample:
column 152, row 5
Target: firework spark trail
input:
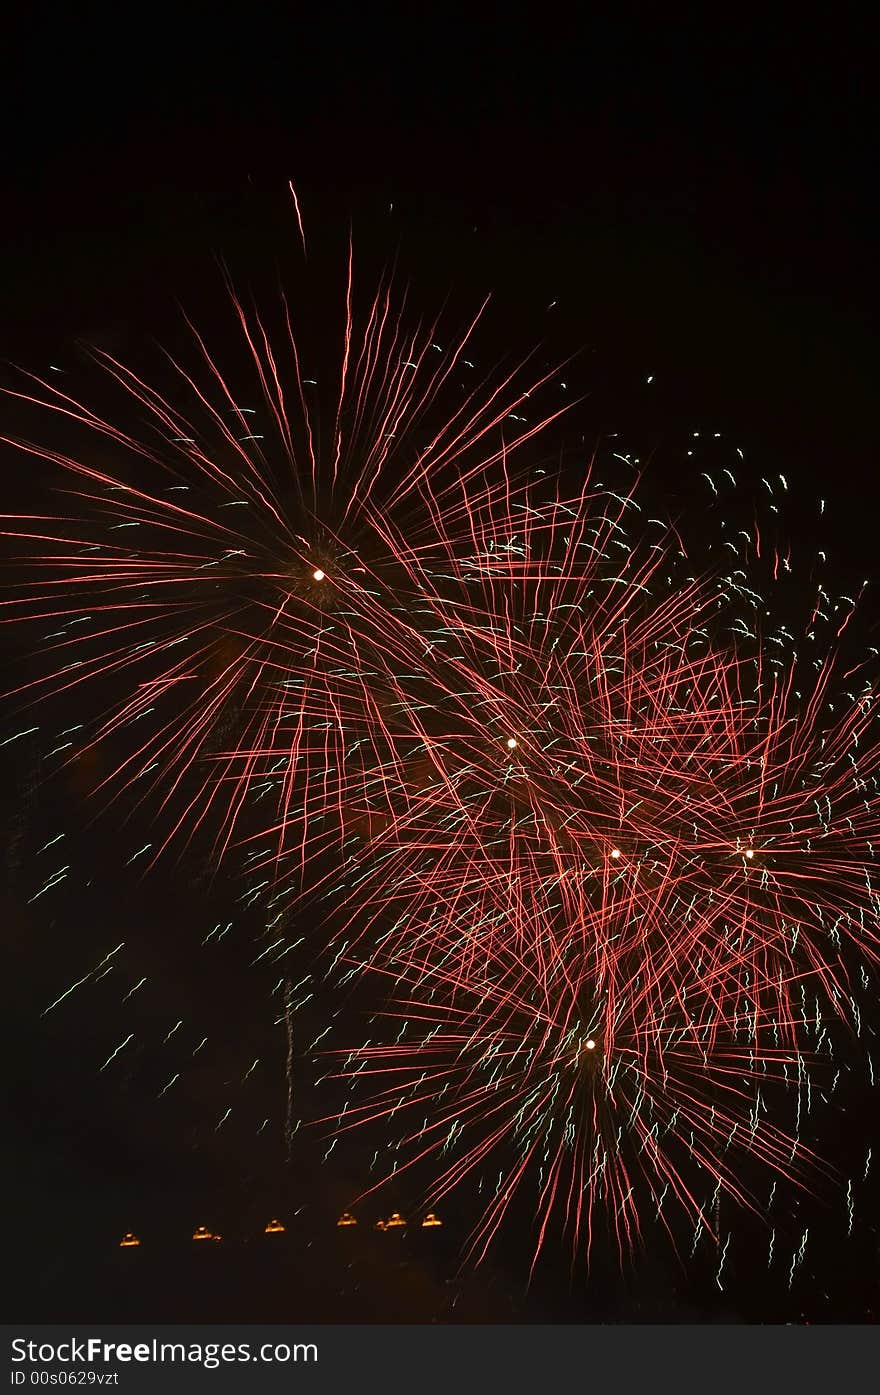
column 288, row 1028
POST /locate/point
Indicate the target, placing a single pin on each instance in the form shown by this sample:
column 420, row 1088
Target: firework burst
column 601, row 832
column 241, row 591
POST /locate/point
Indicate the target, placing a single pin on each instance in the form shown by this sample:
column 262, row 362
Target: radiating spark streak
column 288, row 1027
column 299, row 221
column 80, row 981
column 27, row 731
column 115, row 1053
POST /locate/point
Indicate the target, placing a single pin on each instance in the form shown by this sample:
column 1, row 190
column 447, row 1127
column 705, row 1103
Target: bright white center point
column 511, row 743
column 318, row 574
column 749, row 852
column 590, row 1045
column 615, row 852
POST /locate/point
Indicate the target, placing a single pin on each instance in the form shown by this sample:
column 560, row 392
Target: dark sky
column 703, row 189
column 697, row 196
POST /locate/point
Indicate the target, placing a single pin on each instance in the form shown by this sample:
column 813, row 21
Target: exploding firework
column 612, row 1111
column 601, row 831
column 245, row 593
column 666, row 870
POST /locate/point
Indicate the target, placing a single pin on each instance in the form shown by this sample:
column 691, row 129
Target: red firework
column 609, row 834
column 232, row 588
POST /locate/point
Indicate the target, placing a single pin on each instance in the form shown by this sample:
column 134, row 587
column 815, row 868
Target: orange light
column 274, row 1228
column 202, row 1233
column 346, row 1219
column 431, row 1220
column 394, row 1221
column 128, row 1241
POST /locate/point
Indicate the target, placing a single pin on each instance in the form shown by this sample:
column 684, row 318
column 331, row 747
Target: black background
column 697, row 197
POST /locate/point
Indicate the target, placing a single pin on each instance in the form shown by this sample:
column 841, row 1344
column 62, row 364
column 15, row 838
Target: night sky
column 696, row 203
